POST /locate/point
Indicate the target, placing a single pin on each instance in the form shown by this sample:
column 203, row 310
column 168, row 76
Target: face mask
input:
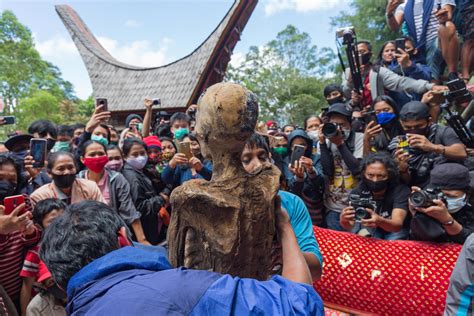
column 19, row 156
column 375, row 186
column 64, row 181
column 455, row 204
column 314, row 135
column 100, row 139
column 96, row 164
column 6, row 189
column 50, row 144
column 115, row 165
column 167, row 156
column 347, row 133
column 335, row 100
column 138, row 163
column 60, row 146
column 282, row 151
column 365, row 58
column 418, row 131
column 154, row 158
column 384, row 118
column 180, row 133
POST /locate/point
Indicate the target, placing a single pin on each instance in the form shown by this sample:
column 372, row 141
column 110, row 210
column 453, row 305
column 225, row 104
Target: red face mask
column 96, row 164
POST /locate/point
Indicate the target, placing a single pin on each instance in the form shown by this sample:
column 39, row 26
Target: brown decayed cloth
column 227, row 224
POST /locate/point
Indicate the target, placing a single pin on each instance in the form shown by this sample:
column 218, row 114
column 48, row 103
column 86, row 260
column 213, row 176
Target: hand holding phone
column 11, row 203
column 298, row 152
column 185, row 149
column 38, row 150
column 102, row 102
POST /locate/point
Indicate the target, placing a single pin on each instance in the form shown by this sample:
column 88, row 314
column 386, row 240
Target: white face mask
column 138, row 163
column 455, row 204
column 314, row 135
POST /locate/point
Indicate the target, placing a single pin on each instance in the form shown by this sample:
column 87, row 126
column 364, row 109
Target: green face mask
column 283, row 151
column 100, row 139
column 61, row 146
column 180, row 133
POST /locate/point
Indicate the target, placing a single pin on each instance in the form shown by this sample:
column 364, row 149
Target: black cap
column 450, row 176
column 414, row 110
column 17, row 139
column 340, row 108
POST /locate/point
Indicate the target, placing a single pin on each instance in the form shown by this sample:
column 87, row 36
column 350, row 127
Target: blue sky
column 153, row 33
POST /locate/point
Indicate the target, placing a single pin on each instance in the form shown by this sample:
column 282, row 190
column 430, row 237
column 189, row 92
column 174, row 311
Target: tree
column 368, row 18
column 288, row 76
column 22, row 69
column 40, row 105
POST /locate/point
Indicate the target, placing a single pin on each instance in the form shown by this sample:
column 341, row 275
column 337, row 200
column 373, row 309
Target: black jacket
column 146, row 200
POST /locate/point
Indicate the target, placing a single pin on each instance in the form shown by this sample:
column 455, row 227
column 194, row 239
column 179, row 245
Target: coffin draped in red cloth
column 384, row 277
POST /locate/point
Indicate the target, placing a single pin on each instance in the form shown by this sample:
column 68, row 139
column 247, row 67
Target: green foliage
column 22, row 69
column 368, row 18
column 288, row 75
column 40, row 105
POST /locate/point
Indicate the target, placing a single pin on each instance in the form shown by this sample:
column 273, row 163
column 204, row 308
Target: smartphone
column 370, row 116
column 403, row 143
column 9, row 120
column 438, row 97
column 38, row 150
column 298, row 152
column 12, row 202
column 185, row 148
column 102, row 101
column 399, row 43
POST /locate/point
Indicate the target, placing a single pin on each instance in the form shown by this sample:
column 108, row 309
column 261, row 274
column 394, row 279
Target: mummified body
column 227, row 224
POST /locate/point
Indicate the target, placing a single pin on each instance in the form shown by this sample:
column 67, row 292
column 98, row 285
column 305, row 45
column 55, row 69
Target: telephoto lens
column 330, row 130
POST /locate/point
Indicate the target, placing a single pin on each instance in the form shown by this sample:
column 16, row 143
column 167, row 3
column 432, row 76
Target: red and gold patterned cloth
column 384, row 277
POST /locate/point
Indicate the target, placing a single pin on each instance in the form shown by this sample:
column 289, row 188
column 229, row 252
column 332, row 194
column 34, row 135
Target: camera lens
column 418, row 199
column 156, row 102
column 330, row 130
column 102, row 102
column 361, row 213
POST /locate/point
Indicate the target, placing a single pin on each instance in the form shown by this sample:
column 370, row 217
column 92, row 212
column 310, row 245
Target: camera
column 330, row 130
column 156, row 101
column 424, row 198
column 458, row 91
column 360, row 203
column 346, row 33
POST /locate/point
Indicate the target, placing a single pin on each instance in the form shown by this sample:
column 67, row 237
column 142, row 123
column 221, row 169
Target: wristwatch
column 448, row 223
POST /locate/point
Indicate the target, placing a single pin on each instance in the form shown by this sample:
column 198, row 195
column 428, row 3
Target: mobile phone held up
column 103, row 102
column 400, row 43
column 185, row 148
column 12, row 202
column 8, row 120
column 298, row 152
column 38, row 150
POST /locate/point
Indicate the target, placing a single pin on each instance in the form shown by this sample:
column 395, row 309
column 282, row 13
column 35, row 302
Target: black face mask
column 335, row 100
column 376, row 186
column 6, row 189
column 418, row 131
column 365, row 58
column 64, row 181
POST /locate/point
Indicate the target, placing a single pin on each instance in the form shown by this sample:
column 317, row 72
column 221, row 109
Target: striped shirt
column 30, row 265
column 12, row 247
column 433, row 24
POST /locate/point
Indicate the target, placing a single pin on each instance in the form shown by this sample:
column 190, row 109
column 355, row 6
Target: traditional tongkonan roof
column 178, row 84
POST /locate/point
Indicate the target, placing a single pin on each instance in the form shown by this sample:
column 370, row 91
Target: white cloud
column 237, row 59
column 57, row 47
column 275, row 6
column 137, row 53
column 133, row 23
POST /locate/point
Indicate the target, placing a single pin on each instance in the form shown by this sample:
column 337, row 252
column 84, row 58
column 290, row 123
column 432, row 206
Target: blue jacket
column 181, row 174
column 140, row 281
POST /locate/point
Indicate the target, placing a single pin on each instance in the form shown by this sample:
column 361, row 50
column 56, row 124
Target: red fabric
column 384, row 277
column 43, row 272
column 30, row 265
column 366, row 94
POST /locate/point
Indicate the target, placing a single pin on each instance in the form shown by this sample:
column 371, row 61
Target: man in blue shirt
column 255, row 156
column 88, row 252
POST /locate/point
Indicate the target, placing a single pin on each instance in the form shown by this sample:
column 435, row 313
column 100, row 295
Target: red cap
column 152, row 141
column 43, row 272
column 270, row 123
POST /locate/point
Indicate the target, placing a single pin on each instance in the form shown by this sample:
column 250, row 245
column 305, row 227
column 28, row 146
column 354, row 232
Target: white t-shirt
column 433, row 24
column 342, row 182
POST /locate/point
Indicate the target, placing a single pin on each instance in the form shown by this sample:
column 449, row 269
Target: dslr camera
column 424, row 198
column 346, row 33
column 360, row 203
column 330, row 130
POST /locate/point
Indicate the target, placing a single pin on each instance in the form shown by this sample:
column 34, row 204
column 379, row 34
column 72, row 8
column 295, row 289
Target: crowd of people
column 376, row 162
